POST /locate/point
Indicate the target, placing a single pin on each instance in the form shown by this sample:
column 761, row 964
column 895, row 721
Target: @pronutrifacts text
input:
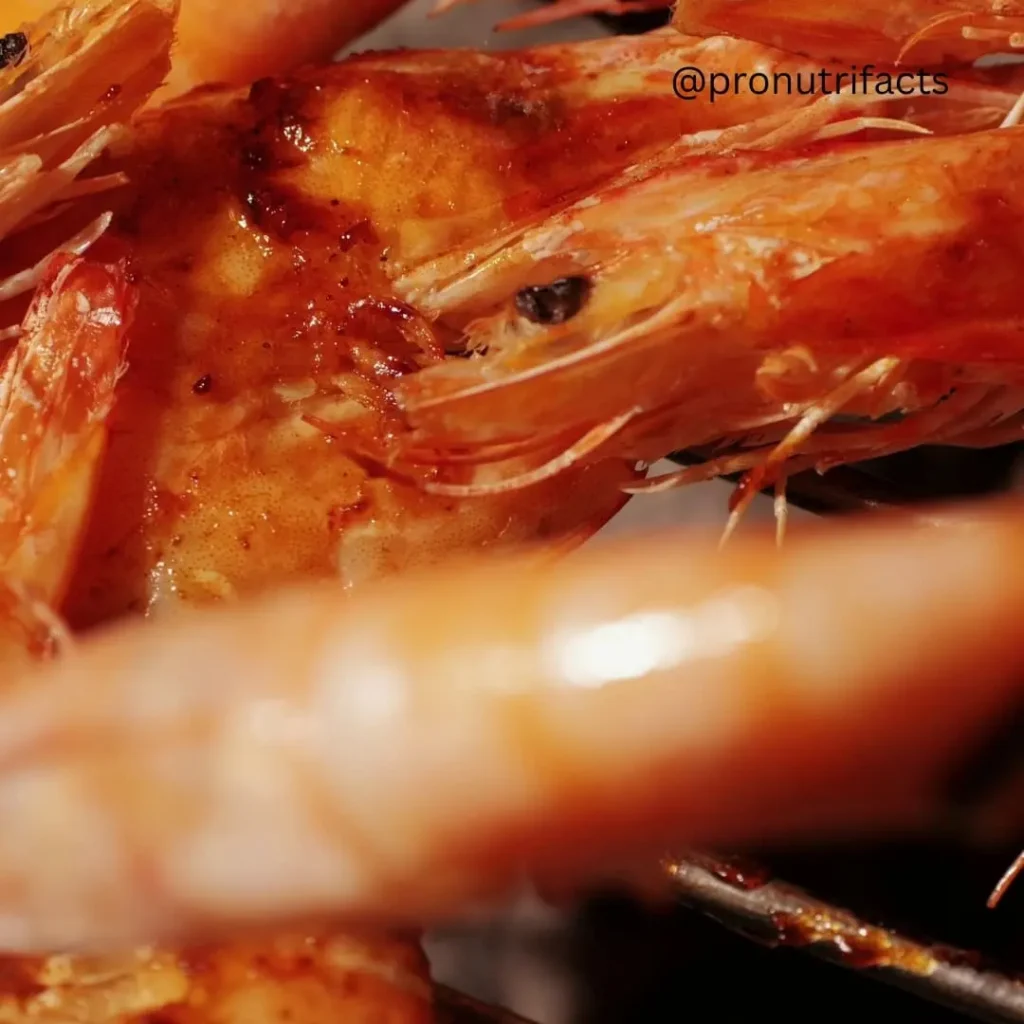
column 691, row 83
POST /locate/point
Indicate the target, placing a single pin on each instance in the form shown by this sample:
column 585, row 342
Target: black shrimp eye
column 553, row 303
column 13, row 48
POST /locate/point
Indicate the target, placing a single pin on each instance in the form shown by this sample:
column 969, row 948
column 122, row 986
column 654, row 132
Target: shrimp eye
column 553, row 303
column 13, row 48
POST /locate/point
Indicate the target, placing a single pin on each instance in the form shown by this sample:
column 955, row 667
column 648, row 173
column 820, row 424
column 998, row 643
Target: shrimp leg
column 309, row 755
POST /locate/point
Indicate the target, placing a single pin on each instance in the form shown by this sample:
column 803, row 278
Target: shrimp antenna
column 1009, row 877
column 926, row 30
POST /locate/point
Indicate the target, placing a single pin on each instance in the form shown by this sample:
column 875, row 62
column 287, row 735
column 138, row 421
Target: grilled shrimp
column 256, row 435
column 253, row 432
column 710, row 310
column 307, row 977
column 63, row 64
column 296, row 315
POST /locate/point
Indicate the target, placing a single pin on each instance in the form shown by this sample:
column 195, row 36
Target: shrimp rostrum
column 374, row 319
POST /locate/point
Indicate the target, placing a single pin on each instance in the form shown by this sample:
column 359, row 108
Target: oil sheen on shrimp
column 918, row 32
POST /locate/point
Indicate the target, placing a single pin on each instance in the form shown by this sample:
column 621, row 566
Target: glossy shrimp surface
column 309, row 753
column 253, row 431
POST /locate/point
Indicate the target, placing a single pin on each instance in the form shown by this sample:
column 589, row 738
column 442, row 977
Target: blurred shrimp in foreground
column 310, row 753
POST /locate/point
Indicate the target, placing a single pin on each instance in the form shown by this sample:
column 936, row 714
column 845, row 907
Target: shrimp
column 310, row 753
column 259, row 437
column 302, row 976
column 926, row 32
column 256, row 435
column 709, row 313
column 252, row 431
column 56, row 392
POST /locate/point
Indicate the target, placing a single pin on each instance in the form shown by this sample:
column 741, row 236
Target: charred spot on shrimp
column 13, row 48
column 555, row 303
column 286, row 113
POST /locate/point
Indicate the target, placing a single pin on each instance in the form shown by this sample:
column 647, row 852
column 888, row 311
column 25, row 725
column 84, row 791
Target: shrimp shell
column 304, row 756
